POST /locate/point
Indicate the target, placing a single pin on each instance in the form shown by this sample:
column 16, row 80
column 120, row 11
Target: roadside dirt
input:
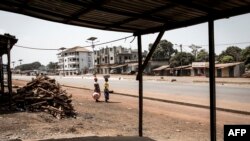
column 118, row 118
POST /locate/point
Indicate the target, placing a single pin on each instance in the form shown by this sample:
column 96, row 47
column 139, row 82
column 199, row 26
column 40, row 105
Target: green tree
column 194, row 49
column 30, row 66
column 235, row 52
column 163, row 51
column 202, row 56
column 52, row 66
column 183, row 58
column 227, row 59
column 245, row 55
column 232, row 51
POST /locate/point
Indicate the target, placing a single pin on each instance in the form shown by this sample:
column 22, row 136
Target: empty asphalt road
column 233, row 97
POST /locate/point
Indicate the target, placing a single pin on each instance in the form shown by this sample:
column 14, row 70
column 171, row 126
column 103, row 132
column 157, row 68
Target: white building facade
column 75, row 61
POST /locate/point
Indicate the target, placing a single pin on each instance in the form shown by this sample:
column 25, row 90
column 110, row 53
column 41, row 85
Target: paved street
column 233, row 97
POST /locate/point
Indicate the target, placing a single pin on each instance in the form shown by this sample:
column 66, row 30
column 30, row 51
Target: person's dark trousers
column 106, row 94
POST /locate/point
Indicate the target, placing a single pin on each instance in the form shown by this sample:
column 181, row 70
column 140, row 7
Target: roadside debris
column 173, row 80
column 44, row 94
column 246, row 75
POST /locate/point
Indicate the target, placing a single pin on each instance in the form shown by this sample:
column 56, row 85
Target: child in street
column 106, row 90
column 97, row 92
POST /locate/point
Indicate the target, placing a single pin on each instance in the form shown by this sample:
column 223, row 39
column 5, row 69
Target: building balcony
column 75, row 62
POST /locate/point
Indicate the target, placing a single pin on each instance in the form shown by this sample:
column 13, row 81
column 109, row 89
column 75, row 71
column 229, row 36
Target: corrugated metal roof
column 183, row 67
column 161, row 68
column 138, row 17
column 119, row 66
column 227, row 65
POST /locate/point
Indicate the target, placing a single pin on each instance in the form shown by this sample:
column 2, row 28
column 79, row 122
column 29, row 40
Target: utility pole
column 20, row 60
column 194, row 49
column 13, row 62
column 91, row 40
column 62, row 48
column 181, row 57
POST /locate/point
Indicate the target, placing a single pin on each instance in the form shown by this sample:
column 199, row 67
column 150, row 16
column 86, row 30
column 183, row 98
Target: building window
column 102, row 59
column 65, row 60
column 95, row 60
column 111, row 58
column 65, row 66
column 110, row 49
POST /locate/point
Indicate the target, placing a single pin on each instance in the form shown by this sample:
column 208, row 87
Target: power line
column 125, row 38
column 35, row 48
column 224, row 44
column 111, row 41
column 83, row 46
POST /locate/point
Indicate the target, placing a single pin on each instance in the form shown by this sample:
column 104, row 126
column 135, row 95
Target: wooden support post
column 1, row 74
column 140, row 70
column 212, row 80
column 150, row 54
column 9, row 72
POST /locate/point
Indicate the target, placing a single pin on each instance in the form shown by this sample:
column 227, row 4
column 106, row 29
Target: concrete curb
column 224, row 82
column 174, row 102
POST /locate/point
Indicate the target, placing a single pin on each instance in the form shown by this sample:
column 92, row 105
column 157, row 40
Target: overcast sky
column 38, row 33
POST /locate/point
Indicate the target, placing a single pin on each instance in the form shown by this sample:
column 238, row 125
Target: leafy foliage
column 163, row 51
column 183, row 58
column 202, row 56
column 31, row 66
column 194, row 49
column 227, row 59
column 232, row 51
column 52, row 66
column 245, row 54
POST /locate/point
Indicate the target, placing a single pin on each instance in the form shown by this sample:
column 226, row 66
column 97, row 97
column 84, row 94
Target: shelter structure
column 200, row 69
column 236, row 69
column 140, row 18
column 6, row 43
column 161, row 70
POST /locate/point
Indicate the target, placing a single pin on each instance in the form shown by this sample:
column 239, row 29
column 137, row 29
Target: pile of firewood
column 44, row 94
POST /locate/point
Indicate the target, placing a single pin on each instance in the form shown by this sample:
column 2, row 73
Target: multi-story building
column 116, row 58
column 75, row 61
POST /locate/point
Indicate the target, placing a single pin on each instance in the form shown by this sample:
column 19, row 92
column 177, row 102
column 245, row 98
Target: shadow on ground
column 95, row 138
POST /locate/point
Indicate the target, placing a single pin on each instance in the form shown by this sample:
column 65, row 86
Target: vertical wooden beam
column 1, row 74
column 9, row 72
column 158, row 39
column 212, row 80
column 140, row 70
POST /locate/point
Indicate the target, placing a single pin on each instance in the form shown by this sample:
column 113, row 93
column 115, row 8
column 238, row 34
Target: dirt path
column 162, row 121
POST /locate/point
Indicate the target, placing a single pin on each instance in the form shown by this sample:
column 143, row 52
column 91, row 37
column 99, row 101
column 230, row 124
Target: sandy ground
column 119, row 118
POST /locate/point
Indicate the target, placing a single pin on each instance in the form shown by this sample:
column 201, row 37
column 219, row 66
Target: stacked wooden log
column 44, row 94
